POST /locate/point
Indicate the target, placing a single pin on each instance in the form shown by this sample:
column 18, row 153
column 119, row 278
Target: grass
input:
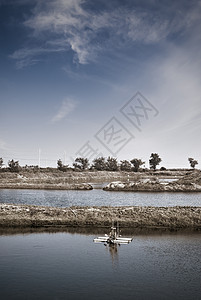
column 130, row 216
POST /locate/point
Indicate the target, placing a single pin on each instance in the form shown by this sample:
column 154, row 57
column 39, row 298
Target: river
column 66, row 265
column 97, row 197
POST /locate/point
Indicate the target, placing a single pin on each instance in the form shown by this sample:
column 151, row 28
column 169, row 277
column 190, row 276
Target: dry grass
column 55, row 179
column 135, row 217
column 188, row 183
column 59, row 180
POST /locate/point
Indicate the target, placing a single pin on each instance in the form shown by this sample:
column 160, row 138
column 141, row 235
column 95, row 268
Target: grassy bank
column 190, row 182
column 59, row 180
column 56, row 179
column 133, row 217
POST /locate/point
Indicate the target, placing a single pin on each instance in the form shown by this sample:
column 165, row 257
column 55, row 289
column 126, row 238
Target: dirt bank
column 131, row 216
column 59, row 180
column 47, row 186
column 188, row 183
column 56, row 179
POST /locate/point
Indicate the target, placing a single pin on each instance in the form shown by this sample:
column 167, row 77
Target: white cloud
column 67, row 106
column 56, row 16
column 86, row 32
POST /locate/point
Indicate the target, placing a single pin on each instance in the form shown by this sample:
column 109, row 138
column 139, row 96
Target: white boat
column 113, row 238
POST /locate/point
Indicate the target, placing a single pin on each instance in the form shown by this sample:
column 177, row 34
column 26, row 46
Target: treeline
column 110, row 164
column 99, row 164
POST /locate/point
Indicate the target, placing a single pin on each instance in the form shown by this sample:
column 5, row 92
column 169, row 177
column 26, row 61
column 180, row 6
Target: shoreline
column 126, row 231
column 114, row 181
column 18, row 186
column 29, row 216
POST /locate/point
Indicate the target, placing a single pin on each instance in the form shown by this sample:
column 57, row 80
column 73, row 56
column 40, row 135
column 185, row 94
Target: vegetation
column 133, row 216
column 1, row 162
column 61, row 166
column 125, row 165
column 137, row 163
column 192, row 162
column 99, row 164
column 111, row 164
column 13, row 166
column 154, row 160
column 81, row 163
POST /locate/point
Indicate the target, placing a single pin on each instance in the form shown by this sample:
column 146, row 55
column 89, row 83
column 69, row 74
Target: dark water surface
column 70, row 266
column 97, row 197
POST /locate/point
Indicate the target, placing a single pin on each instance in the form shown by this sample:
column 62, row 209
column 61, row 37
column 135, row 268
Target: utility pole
column 65, row 158
column 39, row 152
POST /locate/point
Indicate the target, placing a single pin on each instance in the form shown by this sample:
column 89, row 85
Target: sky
column 83, row 78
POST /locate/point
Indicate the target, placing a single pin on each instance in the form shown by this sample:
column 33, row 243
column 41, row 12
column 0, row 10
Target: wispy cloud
column 29, row 56
column 67, row 106
column 177, row 89
column 86, row 32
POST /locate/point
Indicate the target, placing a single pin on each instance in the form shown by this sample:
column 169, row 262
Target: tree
column 111, row 164
column 1, row 162
column 81, row 163
column 99, row 163
column 154, row 160
column 59, row 164
column 137, row 163
column 192, row 162
column 13, row 166
column 125, row 165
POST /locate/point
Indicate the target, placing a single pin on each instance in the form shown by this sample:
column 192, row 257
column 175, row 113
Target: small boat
column 113, row 238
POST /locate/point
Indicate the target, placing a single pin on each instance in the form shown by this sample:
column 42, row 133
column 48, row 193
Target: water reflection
column 113, row 251
column 68, row 265
column 96, row 231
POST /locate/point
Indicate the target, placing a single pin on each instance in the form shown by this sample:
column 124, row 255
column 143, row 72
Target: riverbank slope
column 127, row 216
column 55, row 179
column 190, row 182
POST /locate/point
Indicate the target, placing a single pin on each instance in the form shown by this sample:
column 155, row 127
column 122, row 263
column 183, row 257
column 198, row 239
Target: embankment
column 56, row 179
column 131, row 216
column 188, row 183
column 47, row 186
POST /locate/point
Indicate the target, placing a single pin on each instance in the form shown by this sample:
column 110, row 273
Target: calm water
column 97, row 197
column 71, row 266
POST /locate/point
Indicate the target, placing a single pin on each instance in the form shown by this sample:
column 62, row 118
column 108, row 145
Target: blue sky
column 68, row 67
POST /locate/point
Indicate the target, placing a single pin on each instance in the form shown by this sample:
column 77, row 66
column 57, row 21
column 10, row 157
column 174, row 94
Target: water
column 70, row 266
column 97, row 197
